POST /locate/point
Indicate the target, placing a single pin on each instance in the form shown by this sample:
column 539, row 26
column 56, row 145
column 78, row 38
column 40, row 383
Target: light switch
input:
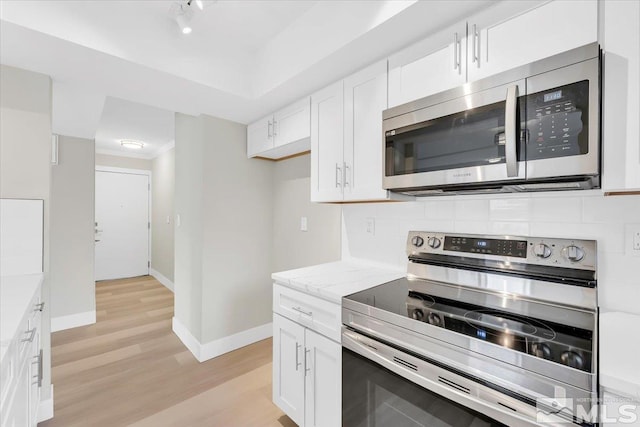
column 303, row 223
column 178, row 221
column 168, row 219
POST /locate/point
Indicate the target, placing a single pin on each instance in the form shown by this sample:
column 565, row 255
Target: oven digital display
column 553, row 96
column 503, row 247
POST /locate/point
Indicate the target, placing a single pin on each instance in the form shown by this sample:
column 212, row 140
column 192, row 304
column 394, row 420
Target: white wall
column 162, row 221
column 122, row 162
column 72, row 233
column 291, row 247
column 25, row 168
column 586, row 215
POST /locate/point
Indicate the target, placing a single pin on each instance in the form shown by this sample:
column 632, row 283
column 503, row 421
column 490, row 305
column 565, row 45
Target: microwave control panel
column 557, row 122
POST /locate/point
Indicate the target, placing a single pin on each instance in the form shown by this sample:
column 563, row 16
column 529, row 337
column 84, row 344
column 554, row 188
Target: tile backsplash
column 581, row 215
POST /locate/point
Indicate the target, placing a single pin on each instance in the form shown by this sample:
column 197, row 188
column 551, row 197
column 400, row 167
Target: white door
column 323, row 383
column 122, row 217
column 288, row 368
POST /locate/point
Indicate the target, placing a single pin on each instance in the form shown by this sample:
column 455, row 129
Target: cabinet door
column 323, row 382
column 621, row 97
column 260, row 136
column 288, row 368
column 365, row 97
column 541, row 32
column 35, row 360
column 428, row 67
column 326, row 144
column 16, row 411
column 292, row 123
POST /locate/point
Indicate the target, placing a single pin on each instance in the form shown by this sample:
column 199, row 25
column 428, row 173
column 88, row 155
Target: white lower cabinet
column 22, row 372
column 307, row 366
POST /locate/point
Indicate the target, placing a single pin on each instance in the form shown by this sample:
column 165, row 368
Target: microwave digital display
column 553, row 96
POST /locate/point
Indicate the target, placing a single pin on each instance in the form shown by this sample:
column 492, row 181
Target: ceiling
column 121, row 119
column 244, row 58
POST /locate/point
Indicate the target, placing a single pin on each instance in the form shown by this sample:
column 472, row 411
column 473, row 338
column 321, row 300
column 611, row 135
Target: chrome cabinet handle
column 39, row 307
column 270, row 129
column 275, row 127
column 476, row 46
column 301, row 311
column 456, row 64
column 346, row 174
column 306, row 368
column 297, row 358
column 32, row 334
column 511, row 131
column 338, row 173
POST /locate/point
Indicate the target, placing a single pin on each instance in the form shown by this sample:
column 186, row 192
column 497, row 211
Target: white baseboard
column 212, row 349
column 185, row 336
column 73, row 321
column 45, row 409
column 161, row 278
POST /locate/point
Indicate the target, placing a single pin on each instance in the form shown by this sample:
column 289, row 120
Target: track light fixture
column 183, row 16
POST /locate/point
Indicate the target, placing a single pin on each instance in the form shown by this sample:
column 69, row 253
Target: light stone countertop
column 620, row 353
column 334, row 280
column 16, row 292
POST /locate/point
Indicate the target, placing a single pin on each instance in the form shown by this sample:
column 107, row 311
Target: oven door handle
column 511, row 131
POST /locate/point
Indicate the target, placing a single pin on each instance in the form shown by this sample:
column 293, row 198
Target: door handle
column 269, row 130
column 275, row 127
column 39, row 307
column 456, row 63
column 306, row 368
column 300, row 310
column 476, row 46
column 32, row 334
column 345, row 173
column 338, row 173
column 511, row 131
column 297, row 357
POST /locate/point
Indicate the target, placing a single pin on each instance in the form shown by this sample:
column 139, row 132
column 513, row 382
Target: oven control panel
column 568, row 253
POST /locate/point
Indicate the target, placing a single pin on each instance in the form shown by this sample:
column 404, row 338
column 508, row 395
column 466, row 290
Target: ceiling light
column 183, row 23
column 130, row 143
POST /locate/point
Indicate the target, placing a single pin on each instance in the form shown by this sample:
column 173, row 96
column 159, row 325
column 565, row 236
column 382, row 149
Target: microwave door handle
column 511, row 131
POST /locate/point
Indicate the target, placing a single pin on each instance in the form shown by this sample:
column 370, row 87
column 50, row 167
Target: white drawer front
column 314, row 313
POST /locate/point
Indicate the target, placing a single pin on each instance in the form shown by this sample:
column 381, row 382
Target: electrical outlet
column 636, row 240
column 371, row 226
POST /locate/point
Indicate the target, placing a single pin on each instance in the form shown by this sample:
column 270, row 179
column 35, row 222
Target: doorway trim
column 146, row 172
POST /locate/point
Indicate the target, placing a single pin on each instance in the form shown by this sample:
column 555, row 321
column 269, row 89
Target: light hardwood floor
column 130, row 369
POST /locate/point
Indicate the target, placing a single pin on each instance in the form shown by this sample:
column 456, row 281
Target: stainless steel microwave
column 533, row 128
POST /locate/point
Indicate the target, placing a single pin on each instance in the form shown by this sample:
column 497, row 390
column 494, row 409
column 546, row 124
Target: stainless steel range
column 484, row 330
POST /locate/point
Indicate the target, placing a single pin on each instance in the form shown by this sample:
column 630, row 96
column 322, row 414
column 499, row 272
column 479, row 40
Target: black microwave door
column 461, row 141
column 563, row 120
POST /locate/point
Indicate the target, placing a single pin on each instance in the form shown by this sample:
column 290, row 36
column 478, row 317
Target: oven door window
column 373, row 396
column 470, row 138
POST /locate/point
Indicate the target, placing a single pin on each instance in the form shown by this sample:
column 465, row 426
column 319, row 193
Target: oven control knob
column 417, row 314
column 434, row 319
column 434, row 242
column 541, row 350
column 417, row 241
column 572, row 359
column 574, row 253
column 541, row 250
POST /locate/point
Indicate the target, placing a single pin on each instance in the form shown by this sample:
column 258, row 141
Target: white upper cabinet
column 621, row 103
column 346, row 138
column 327, row 119
column 281, row 134
column 504, row 36
column 543, row 31
column 365, row 98
column 260, row 136
column 428, row 67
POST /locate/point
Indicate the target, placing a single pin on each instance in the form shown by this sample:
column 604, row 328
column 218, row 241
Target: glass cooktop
column 558, row 343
